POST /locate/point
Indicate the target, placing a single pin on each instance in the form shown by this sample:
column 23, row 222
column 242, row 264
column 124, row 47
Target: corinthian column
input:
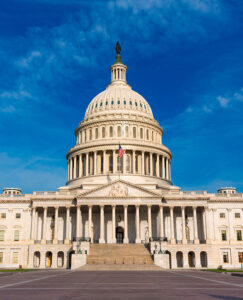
column 138, row 240
column 126, row 241
column 102, row 225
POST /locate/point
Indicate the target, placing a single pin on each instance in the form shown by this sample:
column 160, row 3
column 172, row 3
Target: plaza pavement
column 70, row 285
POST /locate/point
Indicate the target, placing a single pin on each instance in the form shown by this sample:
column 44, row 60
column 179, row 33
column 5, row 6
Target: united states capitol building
column 127, row 202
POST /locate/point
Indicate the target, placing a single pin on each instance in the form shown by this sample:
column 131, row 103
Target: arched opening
column 134, row 132
column 204, row 259
column 48, row 259
column 127, row 131
column 119, row 131
column 96, row 133
column 168, row 252
column 191, row 259
column 70, row 259
column 111, row 131
column 90, row 135
column 103, row 132
column 179, row 259
column 141, row 133
column 37, row 259
column 119, row 234
column 60, row 259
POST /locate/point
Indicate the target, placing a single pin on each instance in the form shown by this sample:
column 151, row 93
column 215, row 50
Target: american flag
column 121, row 151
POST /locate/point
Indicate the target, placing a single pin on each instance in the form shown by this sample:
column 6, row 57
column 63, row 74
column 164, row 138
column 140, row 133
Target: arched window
column 111, row 163
column 118, row 102
column 141, row 133
column 101, row 104
column 112, row 102
column 106, row 103
column 127, row 131
column 90, row 134
column 119, row 131
column 128, row 163
column 96, row 133
column 147, row 134
column 103, row 132
column 130, row 102
column 85, row 136
column 152, row 136
column 134, row 132
column 124, row 102
column 111, row 131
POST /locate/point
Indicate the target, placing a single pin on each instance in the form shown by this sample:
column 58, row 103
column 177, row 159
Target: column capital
column 149, row 205
column 101, row 205
column 137, row 205
column 125, row 205
column 171, row 207
column 113, row 205
column 183, row 207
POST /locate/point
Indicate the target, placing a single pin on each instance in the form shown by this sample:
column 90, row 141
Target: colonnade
column 107, row 161
column 160, row 234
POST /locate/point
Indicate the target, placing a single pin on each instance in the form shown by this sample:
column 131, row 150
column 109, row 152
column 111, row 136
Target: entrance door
column 119, row 235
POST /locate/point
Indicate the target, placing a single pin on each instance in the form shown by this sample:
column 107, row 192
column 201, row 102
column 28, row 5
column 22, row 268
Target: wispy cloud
column 226, row 101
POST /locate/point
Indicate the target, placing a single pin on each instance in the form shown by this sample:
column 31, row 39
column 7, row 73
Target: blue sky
column 184, row 56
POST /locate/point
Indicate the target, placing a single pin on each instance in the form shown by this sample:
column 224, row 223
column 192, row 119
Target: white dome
column 118, row 98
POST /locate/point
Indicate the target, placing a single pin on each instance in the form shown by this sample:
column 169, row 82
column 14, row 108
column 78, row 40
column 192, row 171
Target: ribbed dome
column 118, row 98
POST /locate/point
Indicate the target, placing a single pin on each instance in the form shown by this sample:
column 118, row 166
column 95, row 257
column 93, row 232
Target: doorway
column 119, row 235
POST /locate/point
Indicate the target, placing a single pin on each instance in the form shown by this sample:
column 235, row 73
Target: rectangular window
column 3, row 215
column 226, row 257
column 1, row 257
column 223, row 235
column 18, row 215
column 240, row 255
column 239, row 235
column 16, row 235
column 15, row 258
column 222, row 215
column 1, row 235
column 237, row 215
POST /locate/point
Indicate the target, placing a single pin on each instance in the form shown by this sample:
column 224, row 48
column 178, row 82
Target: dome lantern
column 118, row 69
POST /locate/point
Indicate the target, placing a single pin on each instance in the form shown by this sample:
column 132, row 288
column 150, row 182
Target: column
column 87, row 164
column 196, row 240
column 80, row 166
column 184, row 240
column 68, row 169
column 138, row 240
column 204, row 224
column 95, row 163
column 157, row 165
column 163, row 167
column 67, row 235
column 90, row 223
column 142, row 171
column 149, row 222
column 71, row 168
column 75, row 167
column 125, row 240
column 151, row 164
column 133, row 161
column 55, row 241
column 78, row 219
column 104, row 162
column 113, row 223
column 36, row 225
column 167, row 168
column 43, row 240
column 161, row 212
column 102, row 225
column 172, row 232
column 114, row 161
column 33, row 223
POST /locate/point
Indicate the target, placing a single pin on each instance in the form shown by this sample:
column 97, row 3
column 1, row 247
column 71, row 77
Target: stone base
column 125, row 241
column 138, row 241
column 162, row 260
column 78, row 260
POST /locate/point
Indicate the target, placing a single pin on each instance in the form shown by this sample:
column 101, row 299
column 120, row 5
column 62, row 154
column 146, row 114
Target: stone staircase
column 119, row 256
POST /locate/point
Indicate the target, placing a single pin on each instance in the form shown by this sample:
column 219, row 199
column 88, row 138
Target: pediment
column 119, row 189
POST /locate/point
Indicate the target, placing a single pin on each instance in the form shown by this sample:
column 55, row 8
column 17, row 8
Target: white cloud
column 235, row 97
column 223, row 101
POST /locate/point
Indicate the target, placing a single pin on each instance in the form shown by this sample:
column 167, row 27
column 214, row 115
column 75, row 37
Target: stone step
column 119, row 254
column 113, row 267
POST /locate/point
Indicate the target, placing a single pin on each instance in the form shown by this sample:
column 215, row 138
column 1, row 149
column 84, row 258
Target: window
column 141, row 133
column 118, row 102
column 96, row 105
column 126, row 130
column 152, row 136
column 3, row 215
column 119, row 131
column 237, row 215
column 239, row 235
column 1, row 235
column 128, row 163
column 103, row 132
column 1, row 257
column 222, row 215
column 15, row 257
column 141, row 105
column 96, row 133
column 147, row 134
column 240, row 255
column 18, row 215
column 130, row 102
column 223, row 235
column 16, row 235
column 124, row 102
column 106, row 103
column 136, row 104
column 226, row 257
column 90, row 134
column 134, row 132
column 111, row 131
column 101, row 103
column 85, row 136
column 112, row 102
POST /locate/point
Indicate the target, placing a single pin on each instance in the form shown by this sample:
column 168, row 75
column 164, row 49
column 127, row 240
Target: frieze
column 117, row 191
